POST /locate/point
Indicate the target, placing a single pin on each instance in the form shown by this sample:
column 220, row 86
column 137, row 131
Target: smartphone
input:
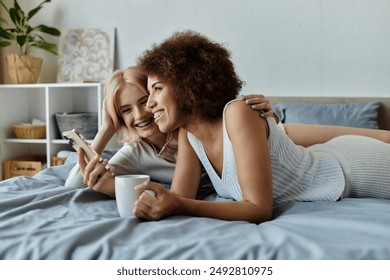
column 76, row 139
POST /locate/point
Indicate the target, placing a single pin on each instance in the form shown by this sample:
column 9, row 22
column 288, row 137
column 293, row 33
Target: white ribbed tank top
column 298, row 174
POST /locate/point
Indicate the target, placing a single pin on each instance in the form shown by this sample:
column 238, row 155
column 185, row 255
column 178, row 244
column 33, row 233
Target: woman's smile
column 158, row 115
column 144, row 124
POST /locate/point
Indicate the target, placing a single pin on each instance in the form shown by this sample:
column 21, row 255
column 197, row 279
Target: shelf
column 20, row 103
column 48, row 85
column 24, row 141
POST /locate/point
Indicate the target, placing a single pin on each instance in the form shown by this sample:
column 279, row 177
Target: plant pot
column 23, row 69
column 85, row 122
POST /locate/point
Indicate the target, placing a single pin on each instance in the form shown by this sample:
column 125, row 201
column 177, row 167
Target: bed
column 40, row 218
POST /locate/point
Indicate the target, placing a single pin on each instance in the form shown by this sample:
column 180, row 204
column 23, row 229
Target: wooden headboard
column 383, row 112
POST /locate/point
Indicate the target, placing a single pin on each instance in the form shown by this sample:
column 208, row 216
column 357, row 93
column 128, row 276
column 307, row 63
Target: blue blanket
column 40, row 218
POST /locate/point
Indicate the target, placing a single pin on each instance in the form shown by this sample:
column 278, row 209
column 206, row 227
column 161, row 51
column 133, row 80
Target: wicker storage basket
column 29, row 131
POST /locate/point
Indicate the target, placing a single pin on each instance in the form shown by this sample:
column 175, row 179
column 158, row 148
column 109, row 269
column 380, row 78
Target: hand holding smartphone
column 76, row 139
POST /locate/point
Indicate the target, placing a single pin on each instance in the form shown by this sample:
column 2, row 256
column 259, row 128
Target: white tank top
column 298, row 174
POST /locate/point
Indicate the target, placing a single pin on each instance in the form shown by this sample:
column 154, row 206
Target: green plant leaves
column 21, row 40
column 36, row 10
column 50, row 47
column 6, row 35
column 5, row 43
column 17, row 17
column 22, row 33
column 48, row 30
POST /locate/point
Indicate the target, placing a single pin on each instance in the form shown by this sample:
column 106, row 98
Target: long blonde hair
column 115, row 84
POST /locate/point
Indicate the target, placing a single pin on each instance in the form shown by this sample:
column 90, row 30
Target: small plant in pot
column 24, row 68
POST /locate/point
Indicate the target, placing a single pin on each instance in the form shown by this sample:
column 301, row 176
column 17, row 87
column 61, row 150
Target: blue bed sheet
column 40, row 218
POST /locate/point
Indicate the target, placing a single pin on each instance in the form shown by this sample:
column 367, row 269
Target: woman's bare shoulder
column 238, row 109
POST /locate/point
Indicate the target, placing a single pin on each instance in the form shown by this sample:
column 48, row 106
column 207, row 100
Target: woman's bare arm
column 105, row 133
column 188, row 169
column 249, row 137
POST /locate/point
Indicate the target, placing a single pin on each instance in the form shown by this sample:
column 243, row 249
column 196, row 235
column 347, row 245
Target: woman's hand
column 107, row 122
column 96, row 174
column 260, row 103
column 147, row 207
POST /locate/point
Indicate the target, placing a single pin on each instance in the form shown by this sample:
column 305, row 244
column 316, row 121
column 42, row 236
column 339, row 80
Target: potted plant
column 24, row 68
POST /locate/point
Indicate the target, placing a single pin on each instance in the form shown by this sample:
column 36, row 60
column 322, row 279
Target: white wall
column 280, row 47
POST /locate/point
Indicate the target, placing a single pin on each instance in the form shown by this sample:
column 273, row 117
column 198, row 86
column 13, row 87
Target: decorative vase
column 23, row 69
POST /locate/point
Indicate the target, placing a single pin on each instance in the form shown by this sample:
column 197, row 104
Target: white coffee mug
column 125, row 193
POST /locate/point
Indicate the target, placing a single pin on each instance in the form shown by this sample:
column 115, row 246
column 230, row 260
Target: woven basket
column 29, row 131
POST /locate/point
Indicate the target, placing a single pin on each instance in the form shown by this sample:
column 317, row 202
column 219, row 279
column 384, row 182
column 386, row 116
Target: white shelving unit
column 22, row 103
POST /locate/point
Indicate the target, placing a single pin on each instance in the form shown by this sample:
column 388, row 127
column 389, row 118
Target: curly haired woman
column 250, row 160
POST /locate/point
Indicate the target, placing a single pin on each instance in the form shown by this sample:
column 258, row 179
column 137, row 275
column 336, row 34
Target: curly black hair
column 200, row 71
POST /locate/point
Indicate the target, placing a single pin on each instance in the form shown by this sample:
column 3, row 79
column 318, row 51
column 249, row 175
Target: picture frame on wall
column 86, row 55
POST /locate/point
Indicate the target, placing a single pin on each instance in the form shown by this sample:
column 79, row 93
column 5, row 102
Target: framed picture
column 86, row 55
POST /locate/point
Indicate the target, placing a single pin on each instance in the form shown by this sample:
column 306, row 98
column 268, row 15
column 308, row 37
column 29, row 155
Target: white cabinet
column 22, row 103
